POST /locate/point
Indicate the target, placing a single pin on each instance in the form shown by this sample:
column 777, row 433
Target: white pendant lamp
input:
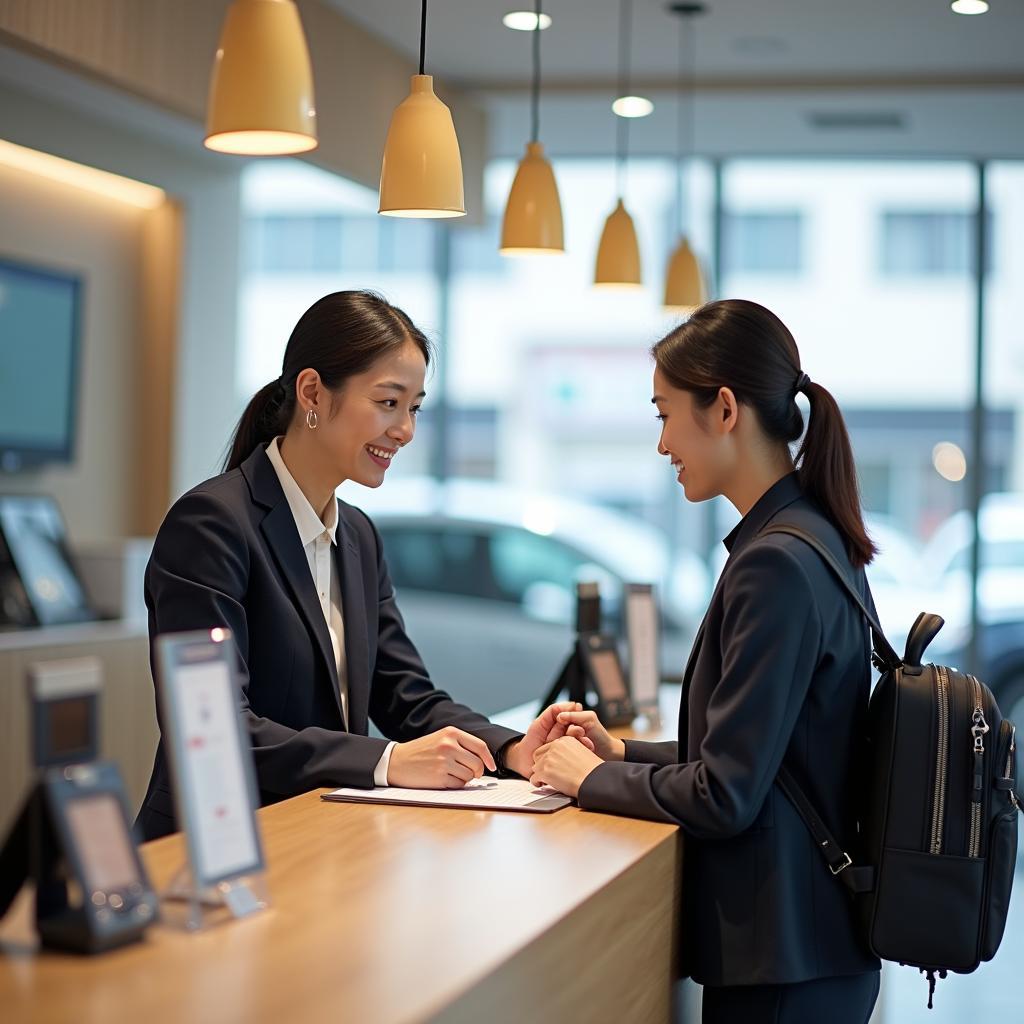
column 533, row 213
column 685, row 288
column 421, row 173
column 261, row 89
column 618, row 255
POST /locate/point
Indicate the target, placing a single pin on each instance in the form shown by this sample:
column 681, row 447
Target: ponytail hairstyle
column 339, row 336
column 741, row 345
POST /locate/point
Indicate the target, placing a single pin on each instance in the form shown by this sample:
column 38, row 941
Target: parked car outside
column 486, row 577
column 1000, row 593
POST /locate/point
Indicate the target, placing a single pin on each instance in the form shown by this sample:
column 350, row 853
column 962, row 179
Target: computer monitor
column 40, row 321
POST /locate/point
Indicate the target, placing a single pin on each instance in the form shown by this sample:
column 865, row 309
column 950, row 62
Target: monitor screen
column 39, row 335
column 608, row 676
column 103, row 842
column 71, row 727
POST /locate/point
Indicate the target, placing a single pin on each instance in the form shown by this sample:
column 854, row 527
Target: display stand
column 592, row 676
column 194, row 908
column 571, row 681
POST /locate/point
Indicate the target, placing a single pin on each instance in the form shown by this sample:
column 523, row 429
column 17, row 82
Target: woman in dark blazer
column 778, row 675
column 299, row 577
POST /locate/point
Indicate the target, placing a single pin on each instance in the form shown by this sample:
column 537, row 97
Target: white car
column 486, row 578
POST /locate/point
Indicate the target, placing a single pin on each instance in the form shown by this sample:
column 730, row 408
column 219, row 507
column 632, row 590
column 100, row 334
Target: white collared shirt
column 317, row 538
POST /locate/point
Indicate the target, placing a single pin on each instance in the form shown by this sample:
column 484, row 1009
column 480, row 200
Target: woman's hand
column 585, row 726
column 519, row 755
column 446, row 759
column 563, row 765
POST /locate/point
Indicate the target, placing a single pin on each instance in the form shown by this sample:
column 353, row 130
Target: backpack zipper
column 1009, row 764
column 978, row 729
column 941, row 759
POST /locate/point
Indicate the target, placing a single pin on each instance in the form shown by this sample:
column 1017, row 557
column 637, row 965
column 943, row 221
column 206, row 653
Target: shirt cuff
column 380, row 773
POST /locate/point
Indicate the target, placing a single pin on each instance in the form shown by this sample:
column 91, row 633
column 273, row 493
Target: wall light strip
column 91, row 179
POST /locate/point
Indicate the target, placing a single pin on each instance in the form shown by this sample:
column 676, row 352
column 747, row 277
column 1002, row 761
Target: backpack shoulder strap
column 886, row 657
column 856, row 878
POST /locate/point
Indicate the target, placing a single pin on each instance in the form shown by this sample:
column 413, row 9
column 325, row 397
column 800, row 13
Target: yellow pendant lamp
column 684, row 283
column 533, row 213
column 261, row 88
column 618, row 254
column 685, row 288
column 421, row 173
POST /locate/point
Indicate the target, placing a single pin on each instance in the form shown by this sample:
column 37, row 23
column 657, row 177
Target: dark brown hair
column 741, row 345
column 339, row 336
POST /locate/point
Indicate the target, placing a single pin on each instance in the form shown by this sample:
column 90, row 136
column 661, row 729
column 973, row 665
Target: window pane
column 763, row 242
column 896, row 350
column 309, row 233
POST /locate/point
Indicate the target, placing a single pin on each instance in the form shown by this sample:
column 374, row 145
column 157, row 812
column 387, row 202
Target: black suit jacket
column 229, row 554
column 779, row 672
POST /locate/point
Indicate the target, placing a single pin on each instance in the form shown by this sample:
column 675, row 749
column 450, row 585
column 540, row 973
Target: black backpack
column 932, row 877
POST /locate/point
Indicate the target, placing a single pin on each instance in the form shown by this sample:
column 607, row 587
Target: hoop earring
column 311, row 419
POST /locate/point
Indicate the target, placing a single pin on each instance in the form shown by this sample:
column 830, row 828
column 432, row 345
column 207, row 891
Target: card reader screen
column 69, row 726
column 103, row 843
column 608, row 675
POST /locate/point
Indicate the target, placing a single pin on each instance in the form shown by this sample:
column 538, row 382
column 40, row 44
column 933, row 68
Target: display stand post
column 194, row 908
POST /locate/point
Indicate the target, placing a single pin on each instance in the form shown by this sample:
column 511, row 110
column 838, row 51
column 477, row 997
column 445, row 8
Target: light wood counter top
column 394, row 914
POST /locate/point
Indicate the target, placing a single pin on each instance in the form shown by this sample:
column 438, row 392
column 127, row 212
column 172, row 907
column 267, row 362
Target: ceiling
column 747, row 41
column 907, row 77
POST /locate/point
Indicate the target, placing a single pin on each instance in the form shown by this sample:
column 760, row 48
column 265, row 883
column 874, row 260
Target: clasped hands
column 562, row 746
column 565, row 744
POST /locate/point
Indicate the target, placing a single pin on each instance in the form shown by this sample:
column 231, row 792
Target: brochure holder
column 644, row 658
column 214, row 783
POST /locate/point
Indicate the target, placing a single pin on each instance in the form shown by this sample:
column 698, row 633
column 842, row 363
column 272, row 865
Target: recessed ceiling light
column 525, row 21
column 969, row 6
column 757, row 46
column 632, row 106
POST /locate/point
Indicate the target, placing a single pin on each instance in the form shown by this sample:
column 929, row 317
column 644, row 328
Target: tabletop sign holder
column 214, row 783
column 72, row 837
column 644, row 659
column 592, row 674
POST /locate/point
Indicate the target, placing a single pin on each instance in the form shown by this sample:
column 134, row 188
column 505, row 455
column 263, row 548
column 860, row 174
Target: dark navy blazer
column 229, row 554
column 779, row 672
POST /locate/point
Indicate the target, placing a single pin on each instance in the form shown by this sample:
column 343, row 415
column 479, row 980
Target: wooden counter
column 394, row 914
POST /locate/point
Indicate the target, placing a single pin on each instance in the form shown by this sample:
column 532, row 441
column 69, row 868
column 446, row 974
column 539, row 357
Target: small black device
column 592, row 674
column 588, row 608
column 72, row 837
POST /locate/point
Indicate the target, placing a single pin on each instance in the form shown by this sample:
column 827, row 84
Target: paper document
column 487, row 794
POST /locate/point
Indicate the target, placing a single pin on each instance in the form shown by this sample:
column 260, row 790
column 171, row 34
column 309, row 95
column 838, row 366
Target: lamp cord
column 622, row 128
column 535, row 88
column 423, row 34
column 685, row 132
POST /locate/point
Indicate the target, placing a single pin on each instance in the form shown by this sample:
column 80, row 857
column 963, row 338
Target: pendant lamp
column 618, row 255
column 261, row 88
column 533, row 213
column 421, row 173
column 685, row 289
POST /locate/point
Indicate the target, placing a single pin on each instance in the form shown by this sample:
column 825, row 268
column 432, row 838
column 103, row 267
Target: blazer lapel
column 279, row 529
column 348, row 561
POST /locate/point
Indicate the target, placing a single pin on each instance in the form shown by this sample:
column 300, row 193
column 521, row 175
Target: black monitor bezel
column 15, row 454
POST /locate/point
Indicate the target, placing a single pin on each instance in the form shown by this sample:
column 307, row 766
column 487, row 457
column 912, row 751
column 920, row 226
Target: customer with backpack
column 778, row 677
